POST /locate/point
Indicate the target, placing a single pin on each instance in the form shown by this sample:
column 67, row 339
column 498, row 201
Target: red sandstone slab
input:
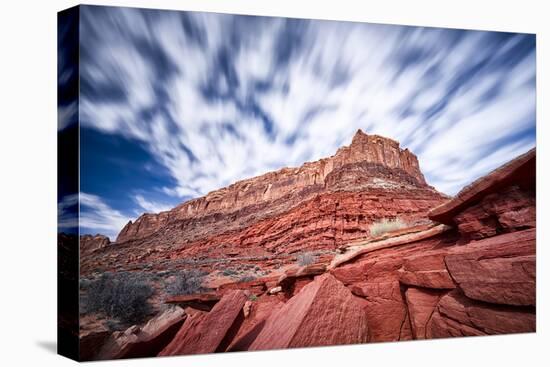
column 457, row 315
column 386, row 310
column 199, row 301
column 324, row 312
column 500, row 269
column 520, row 170
column 254, row 322
column 421, row 304
column 210, row 332
column 146, row 341
column 426, row 270
column 391, row 242
column 197, row 297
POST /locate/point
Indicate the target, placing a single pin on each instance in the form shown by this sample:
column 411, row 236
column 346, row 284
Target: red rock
column 386, row 310
column 291, row 275
column 89, row 243
column 323, row 313
column 253, row 324
column 457, row 315
column 200, row 301
column 91, row 343
column 212, row 331
column 426, row 270
column 520, row 171
column 378, row 151
column 499, row 269
column 318, row 206
column 146, row 341
column 377, row 244
column 473, row 275
column 507, row 210
column 350, row 273
column 256, row 286
column 421, row 304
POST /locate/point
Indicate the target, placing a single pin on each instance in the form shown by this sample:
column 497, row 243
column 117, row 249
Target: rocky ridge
column 316, row 207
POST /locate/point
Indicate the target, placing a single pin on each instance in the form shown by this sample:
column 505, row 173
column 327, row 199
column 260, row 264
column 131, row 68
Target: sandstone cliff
column 316, row 207
column 370, row 160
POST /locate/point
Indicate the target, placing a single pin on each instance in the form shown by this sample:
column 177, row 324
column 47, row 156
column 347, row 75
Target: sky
column 174, row 104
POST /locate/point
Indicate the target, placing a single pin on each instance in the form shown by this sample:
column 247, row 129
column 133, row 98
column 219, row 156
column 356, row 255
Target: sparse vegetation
column 186, row 282
column 386, row 225
column 123, row 296
column 229, row 272
column 306, row 258
column 253, row 297
column 247, row 278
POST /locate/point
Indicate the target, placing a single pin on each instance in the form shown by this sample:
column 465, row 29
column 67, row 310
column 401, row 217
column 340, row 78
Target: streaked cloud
column 151, row 206
column 96, row 215
column 216, row 98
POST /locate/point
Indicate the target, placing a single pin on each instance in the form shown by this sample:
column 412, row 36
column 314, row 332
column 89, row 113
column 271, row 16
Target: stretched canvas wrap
column 236, row 183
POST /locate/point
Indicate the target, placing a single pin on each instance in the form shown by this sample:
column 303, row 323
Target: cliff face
column 318, row 206
column 370, row 162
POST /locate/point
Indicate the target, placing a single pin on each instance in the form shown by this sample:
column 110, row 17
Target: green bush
column 186, row 282
column 386, row 225
column 123, row 296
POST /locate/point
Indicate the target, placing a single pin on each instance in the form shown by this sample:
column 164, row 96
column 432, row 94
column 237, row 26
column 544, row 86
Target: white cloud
column 95, row 214
column 341, row 77
column 67, row 115
column 67, row 209
column 151, row 206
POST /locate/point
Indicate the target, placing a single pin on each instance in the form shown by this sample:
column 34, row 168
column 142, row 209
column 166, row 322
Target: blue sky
column 176, row 104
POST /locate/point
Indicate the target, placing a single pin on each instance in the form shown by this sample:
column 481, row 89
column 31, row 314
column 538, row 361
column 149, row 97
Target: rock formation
column 469, row 271
column 370, row 160
column 318, row 206
column 144, row 341
column 89, row 243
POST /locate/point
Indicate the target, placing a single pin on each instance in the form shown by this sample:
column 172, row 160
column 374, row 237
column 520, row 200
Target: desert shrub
column 306, row 258
column 186, row 282
column 229, row 272
column 386, row 225
column 123, row 296
column 247, row 278
column 85, row 283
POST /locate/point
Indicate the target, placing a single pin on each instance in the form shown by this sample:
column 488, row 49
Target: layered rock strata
column 318, row 206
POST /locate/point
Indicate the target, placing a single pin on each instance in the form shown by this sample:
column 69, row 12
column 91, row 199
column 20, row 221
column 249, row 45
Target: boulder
column 457, row 315
column 499, row 269
column 210, row 332
column 275, row 290
column 324, row 312
column 386, row 310
column 520, row 171
column 259, row 311
column 146, row 341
